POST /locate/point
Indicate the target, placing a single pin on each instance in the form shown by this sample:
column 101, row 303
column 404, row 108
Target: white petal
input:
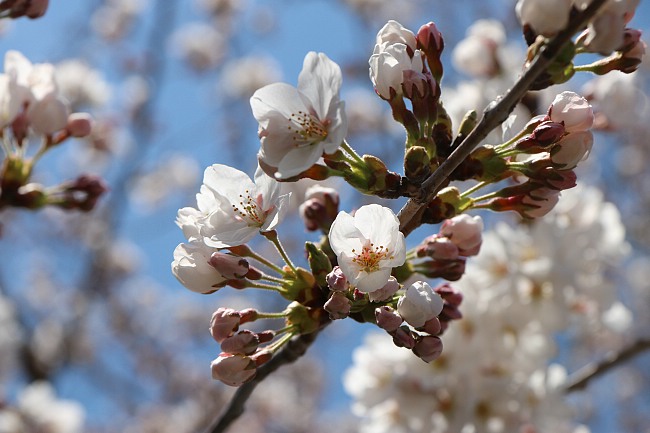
column 299, row 160
column 320, row 81
column 344, row 235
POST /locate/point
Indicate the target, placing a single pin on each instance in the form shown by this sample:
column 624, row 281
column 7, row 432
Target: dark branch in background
column 288, row 354
column 581, row 378
column 495, row 114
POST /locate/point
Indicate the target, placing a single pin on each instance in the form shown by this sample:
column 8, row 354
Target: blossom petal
column 298, row 160
column 320, row 81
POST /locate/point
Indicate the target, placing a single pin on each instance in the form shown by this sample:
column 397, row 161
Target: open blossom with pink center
column 419, row 304
column 368, row 246
column 573, row 111
column 298, row 125
column 235, row 208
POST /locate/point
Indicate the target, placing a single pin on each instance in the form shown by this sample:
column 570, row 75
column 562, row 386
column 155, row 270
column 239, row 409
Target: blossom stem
column 282, row 341
column 272, row 236
column 266, row 287
column 355, row 156
column 585, row 68
column 272, row 279
column 252, row 254
column 474, row 189
column 483, row 198
column 279, row 315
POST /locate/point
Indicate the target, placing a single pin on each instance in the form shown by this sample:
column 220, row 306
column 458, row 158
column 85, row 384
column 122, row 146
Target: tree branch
column 294, row 349
column 494, row 114
column 581, row 378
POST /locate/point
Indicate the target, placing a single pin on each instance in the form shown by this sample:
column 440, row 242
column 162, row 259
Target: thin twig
column 495, row 114
column 581, row 378
column 288, row 354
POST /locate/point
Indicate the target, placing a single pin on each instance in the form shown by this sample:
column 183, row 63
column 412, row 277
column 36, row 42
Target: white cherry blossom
column 573, row 110
column 241, row 207
column 298, row 125
column 368, row 246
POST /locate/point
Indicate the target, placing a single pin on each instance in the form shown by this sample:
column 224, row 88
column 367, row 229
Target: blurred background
column 96, row 335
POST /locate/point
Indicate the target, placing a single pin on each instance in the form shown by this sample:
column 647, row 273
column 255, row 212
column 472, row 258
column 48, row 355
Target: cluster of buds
column 23, row 8
column 446, row 252
column 33, row 110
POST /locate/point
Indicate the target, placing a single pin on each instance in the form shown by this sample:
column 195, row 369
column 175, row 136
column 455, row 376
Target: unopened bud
column 386, row 292
column 402, row 337
column 449, row 294
column 338, row 306
column 79, row 124
column 432, row 326
column 416, row 164
column 465, row 232
column 229, row 266
column 243, row 342
column 233, row 370
column 428, row 348
column 572, row 149
column 224, row 323
column 438, row 248
column 320, row 208
column 387, row 318
column 430, row 41
column 336, row 280
column 83, row 193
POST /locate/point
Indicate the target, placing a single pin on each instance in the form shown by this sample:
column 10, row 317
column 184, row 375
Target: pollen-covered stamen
column 370, row 257
column 307, row 129
column 250, row 210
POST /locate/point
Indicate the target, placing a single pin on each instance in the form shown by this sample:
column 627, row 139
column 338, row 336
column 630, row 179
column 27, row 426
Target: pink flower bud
column 244, row 342
column 438, row 248
column 320, row 208
column 573, row 110
column 36, row 8
column 387, row 318
column 79, row 124
column 383, row 294
column 543, row 201
column 233, row 370
column 432, row 326
column 428, row 348
column 83, row 192
column 336, row 280
column 224, row 323
column 430, row 39
column 465, row 232
column 572, row 149
column 48, row 115
column 338, row 305
column 419, row 304
column 449, row 294
column 229, row 266
column 547, row 133
column 403, row 337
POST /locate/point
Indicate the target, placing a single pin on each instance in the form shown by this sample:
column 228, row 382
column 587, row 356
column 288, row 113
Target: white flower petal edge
column 368, row 246
column 233, row 208
column 298, row 125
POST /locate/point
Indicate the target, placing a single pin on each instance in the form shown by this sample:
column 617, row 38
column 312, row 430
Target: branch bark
column 581, row 378
column 288, row 354
column 495, row 114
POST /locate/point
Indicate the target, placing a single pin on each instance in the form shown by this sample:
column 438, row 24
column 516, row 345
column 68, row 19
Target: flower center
column 307, row 129
column 370, row 256
column 250, row 210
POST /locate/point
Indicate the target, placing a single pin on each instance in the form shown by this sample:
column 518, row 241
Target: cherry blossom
column 192, row 269
column 240, row 208
column 298, row 125
column 573, row 111
column 368, row 246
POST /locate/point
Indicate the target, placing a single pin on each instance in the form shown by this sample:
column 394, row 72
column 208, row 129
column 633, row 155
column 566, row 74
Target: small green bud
column 319, row 263
column 416, row 164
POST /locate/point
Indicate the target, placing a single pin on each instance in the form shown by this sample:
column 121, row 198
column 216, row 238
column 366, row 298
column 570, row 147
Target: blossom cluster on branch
column 361, row 267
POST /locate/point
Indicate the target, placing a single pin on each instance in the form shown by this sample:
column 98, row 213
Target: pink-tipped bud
column 438, row 248
column 243, row 342
column 320, row 208
column 573, row 111
column 465, row 232
column 79, row 124
column 224, row 323
column 432, row 326
column 229, row 266
column 402, row 337
column 572, row 149
column 386, row 292
column 428, row 348
column 387, row 318
column 336, row 280
column 539, row 202
column 449, row 294
column 548, row 133
column 430, row 40
column 83, row 193
column 248, row 315
column 338, row 306
column 233, row 370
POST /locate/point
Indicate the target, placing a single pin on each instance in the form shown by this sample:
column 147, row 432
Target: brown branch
column 495, row 114
column 288, row 354
column 581, row 378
